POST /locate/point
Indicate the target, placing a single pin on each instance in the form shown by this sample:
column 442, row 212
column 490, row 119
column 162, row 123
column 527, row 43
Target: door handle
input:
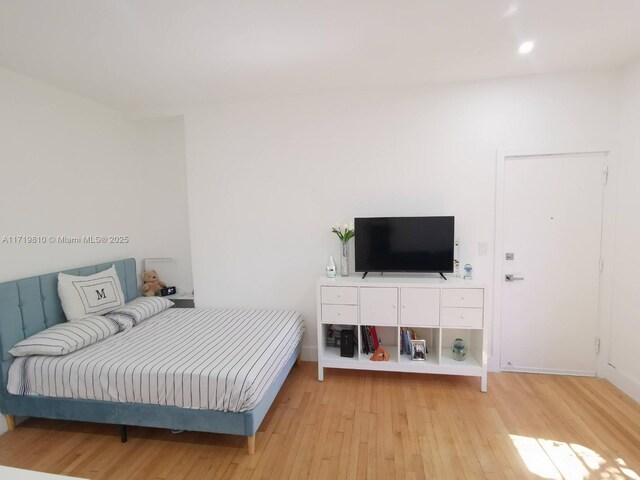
column 510, row 277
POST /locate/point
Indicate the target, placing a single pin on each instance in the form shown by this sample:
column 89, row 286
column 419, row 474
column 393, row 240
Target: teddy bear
column 152, row 285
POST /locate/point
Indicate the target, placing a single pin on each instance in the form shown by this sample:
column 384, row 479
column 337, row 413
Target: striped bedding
column 216, row 359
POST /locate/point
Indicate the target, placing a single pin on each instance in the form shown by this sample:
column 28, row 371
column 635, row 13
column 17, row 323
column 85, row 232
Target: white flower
column 345, row 227
column 336, row 226
column 351, row 226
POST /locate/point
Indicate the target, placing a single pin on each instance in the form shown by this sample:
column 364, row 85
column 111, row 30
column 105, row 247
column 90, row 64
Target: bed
column 208, row 370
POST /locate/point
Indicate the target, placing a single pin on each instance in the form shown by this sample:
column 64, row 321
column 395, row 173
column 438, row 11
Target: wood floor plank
column 370, row 425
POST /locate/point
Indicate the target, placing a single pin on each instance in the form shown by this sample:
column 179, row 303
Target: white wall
column 276, row 173
column 162, row 196
column 625, row 325
column 71, row 167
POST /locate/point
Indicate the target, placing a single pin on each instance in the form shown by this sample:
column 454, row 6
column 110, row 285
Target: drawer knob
column 461, row 298
column 339, row 313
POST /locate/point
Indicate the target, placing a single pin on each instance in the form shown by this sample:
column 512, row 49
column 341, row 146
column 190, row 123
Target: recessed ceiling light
column 526, row 47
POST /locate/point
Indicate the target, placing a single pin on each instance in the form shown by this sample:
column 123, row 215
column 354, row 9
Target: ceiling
column 137, row 55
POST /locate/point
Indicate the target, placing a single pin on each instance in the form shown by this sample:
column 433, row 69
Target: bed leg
column 251, row 443
column 123, row 433
column 11, row 422
column 299, row 360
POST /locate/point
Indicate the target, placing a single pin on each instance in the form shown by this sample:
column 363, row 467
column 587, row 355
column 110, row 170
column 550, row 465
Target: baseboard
column 309, row 353
column 550, row 371
column 493, row 365
column 624, row 382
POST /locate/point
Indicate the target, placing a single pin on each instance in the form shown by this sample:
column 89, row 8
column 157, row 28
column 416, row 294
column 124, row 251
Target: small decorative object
column 331, row 267
column 152, row 285
column 459, row 350
column 419, row 350
column 380, row 355
column 345, row 233
column 468, row 271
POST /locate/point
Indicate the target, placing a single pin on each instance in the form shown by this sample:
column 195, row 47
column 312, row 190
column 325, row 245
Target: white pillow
column 141, row 308
column 124, row 321
column 66, row 337
column 91, row 295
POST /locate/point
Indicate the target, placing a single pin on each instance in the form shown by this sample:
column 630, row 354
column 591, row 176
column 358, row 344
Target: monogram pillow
column 95, row 294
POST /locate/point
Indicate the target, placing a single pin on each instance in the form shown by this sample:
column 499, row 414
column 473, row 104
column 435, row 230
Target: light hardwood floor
column 371, row 425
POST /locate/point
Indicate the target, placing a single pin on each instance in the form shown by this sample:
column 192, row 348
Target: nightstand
column 184, row 300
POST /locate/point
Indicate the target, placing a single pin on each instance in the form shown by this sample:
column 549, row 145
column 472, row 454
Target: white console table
column 438, row 310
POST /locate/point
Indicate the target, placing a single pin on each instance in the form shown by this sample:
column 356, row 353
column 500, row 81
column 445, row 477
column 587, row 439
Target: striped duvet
column 216, row 359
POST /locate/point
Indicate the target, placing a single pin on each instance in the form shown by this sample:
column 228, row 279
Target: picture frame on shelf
column 419, row 350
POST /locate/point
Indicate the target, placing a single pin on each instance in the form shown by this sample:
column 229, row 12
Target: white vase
column 344, row 263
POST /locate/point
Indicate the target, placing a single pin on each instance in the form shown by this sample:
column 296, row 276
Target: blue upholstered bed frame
column 31, row 305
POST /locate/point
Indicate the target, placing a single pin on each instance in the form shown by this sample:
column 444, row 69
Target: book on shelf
column 374, row 336
column 370, row 339
column 365, row 340
column 406, row 335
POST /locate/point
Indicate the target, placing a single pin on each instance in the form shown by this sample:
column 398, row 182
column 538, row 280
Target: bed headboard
column 31, row 305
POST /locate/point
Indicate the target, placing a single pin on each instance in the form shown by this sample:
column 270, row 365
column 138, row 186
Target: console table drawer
column 340, row 314
column 340, row 295
column 461, row 317
column 463, row 297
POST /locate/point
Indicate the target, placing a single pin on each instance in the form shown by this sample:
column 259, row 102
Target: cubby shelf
column 332, row 354
column 446, row 358
column 438, row 311
column 431, row 361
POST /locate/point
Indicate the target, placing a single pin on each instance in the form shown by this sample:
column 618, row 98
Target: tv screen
column 404, row 244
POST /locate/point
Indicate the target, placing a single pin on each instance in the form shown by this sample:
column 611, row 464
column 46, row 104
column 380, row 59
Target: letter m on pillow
column 95, row 294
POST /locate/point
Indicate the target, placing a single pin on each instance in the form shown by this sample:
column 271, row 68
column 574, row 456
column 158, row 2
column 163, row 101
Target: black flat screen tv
column 404, row 244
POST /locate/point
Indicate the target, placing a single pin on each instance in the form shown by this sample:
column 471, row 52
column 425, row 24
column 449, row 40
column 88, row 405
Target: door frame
column 605, row 300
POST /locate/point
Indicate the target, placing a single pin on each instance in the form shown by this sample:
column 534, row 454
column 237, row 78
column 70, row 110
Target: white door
column 552, row 229
column 420, row 306
column 378, row 306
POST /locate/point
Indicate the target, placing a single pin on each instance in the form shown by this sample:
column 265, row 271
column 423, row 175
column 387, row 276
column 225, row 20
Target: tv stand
column 442, row 275
column 437, row 311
